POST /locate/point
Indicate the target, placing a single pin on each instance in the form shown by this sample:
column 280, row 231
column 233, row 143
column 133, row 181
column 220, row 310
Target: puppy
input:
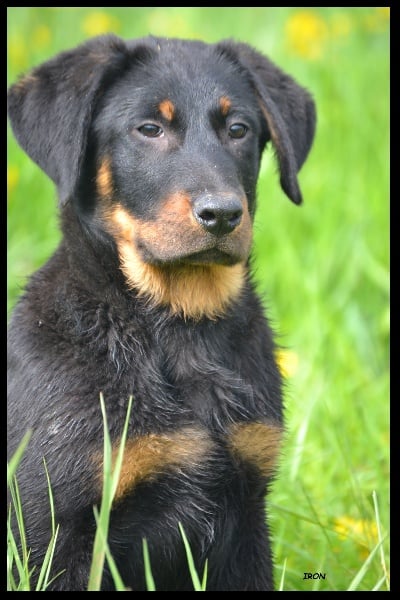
column 155, row 146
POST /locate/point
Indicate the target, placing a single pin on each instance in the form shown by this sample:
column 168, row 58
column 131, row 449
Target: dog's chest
column 205, row 417
column 202, row 371
column 178, row 372
column 194, row 402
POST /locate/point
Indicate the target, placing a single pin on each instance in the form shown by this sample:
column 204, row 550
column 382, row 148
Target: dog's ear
column 288, row 109
column 50, row 109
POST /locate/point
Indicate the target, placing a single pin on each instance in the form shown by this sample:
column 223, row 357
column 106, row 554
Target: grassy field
column 323, row 269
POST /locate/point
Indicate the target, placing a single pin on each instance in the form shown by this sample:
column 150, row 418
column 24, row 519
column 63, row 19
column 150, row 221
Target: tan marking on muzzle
column 193, row 291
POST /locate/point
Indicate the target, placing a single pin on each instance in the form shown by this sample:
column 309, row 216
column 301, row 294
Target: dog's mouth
column 211, row 256
column 223, row 252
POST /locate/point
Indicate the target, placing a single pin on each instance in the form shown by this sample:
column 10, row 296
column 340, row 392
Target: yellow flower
column 361, row 531
column 41, row 36
column 12, row 178
column 307, row 34
column 377, row 20
column 288, row 362
column 18, row 52
column 384, row 11
column 97, row 23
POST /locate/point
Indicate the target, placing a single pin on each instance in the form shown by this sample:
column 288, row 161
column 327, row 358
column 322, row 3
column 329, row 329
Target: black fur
column 200, row 381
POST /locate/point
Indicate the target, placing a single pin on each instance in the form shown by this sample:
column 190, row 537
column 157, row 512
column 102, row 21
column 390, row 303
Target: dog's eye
column 150, row 130
column 237, row 130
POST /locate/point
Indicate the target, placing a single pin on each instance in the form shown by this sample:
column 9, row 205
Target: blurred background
column 322, row 268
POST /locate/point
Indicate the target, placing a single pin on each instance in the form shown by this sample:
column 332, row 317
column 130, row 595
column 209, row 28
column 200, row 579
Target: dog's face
column 157, row 145
column 178, row 141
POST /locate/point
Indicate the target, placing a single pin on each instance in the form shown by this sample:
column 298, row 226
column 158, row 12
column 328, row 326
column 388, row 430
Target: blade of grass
column 121, row 449
column 15, row 459
column 98, row 556
column 13, row 557
column 198, row 587
column 378, row 525
column 282, row 581
column 204, row 579
column 13, row 553
column 43, row 580
column 298, row 515
column 119, row 584
column 379, row 584
column 110, row 482
column 364, row 568
column 22, row 564
column 147, row 568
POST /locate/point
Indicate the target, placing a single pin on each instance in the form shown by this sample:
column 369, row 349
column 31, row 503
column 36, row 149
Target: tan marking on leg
column 104, row 179
column 225, row 104
column 167, row 109
column 256, row 443
column 148, row 456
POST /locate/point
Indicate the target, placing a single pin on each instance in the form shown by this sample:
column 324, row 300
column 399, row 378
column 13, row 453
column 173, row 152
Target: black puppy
column 154, row 145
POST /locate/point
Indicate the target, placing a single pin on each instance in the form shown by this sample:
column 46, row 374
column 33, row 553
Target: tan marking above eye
column 148, row 456
column 225, row 104
column 167, row 109
column 257, row 443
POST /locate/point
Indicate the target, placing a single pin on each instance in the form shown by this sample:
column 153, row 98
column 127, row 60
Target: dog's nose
column 218, row 214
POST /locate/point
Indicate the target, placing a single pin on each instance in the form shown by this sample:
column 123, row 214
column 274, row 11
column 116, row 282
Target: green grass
column 19, row 572
column 322, row 268
column 110, row 482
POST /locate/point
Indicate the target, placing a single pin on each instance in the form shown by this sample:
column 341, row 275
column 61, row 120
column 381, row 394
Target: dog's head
column 157, row 143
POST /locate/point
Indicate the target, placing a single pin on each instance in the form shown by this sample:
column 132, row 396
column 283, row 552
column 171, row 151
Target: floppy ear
column 288, row 109
column 50, row 109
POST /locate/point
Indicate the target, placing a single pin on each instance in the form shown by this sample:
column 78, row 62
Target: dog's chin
column 212, row 256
